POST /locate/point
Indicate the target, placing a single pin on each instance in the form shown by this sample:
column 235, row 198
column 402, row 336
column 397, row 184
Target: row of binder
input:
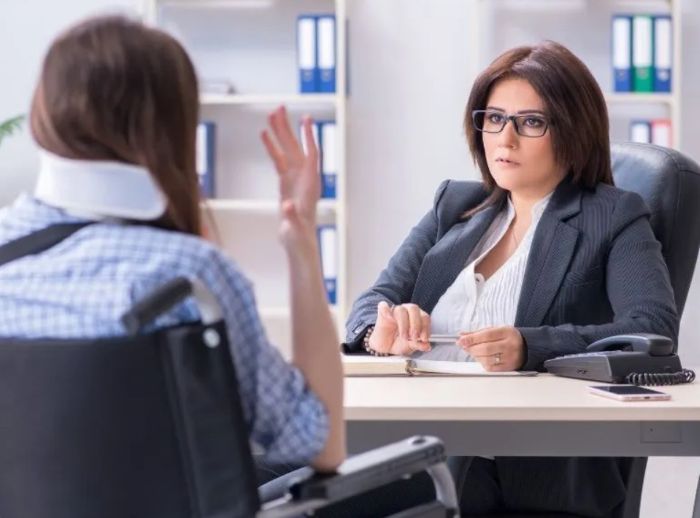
column 316, row 53
column 328, row 246
column 327, row 234
column 653, row 131
column 642, row 52
column 326, row 141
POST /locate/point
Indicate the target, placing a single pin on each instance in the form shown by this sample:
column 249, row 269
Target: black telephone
column 637, row 359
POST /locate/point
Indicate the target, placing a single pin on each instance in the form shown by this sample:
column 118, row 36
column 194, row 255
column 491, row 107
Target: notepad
column 364, row 366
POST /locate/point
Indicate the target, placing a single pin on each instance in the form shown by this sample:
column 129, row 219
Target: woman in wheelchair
column 115, row 114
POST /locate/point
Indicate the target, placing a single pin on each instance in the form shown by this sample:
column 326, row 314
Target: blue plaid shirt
column 82, row 286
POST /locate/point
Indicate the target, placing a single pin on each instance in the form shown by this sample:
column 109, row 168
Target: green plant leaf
column 10, row 126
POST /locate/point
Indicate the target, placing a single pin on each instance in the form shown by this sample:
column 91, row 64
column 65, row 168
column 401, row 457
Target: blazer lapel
column 448, row 257
column 552, row 249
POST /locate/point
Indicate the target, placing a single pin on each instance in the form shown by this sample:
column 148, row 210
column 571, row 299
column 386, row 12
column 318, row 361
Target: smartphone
column 628, row 393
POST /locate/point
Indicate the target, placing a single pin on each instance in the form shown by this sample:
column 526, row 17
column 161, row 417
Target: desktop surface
column 543, row 415
column 544, row 397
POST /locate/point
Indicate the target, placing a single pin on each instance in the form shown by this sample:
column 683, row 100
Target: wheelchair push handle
column 167, row 296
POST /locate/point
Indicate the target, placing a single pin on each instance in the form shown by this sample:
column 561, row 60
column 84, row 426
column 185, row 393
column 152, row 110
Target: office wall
column 411, row 67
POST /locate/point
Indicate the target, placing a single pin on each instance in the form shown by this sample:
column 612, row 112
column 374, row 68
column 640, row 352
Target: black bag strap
column 38, row 241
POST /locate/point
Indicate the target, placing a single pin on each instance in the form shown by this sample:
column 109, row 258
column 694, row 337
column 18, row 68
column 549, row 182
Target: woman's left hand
column 297, row 170
column 496, row 348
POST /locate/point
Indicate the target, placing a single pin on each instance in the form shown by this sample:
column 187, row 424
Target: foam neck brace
column 98, row 189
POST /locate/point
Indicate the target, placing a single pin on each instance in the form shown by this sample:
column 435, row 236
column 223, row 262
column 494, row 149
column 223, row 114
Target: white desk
column 538, row 416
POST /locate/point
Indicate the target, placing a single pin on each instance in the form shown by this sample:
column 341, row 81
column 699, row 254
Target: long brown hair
column 574, row 104
column 113, row 89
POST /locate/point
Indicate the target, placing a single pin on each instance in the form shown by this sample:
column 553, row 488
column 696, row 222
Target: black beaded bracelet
column 365, row 342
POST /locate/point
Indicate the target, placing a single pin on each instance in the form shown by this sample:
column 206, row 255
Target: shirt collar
column 536, row 211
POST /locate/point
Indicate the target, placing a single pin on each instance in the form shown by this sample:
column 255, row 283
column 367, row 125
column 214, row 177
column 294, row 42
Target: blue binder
column 325, row 38
column 206, row 141
column 663, row 53
column 316, row 130
column 327, row 239
column 622, row 52
column 329, row 162
column 307, row 54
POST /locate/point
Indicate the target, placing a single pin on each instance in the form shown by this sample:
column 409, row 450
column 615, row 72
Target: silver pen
column 443, row 339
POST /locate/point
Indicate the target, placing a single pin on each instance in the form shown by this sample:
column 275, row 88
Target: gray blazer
column 595, row 269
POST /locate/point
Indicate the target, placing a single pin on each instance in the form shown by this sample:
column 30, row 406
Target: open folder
column 400, row 366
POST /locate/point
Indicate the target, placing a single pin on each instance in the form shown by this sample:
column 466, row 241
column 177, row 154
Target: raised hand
column 297, row 170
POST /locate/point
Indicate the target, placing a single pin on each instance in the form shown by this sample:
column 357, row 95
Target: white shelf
column 238, row 213
column 330, row 100
column 264, row 206
column 642, row 98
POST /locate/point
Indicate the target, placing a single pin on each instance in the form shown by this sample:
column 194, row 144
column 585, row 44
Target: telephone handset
column 638, row 359
column 653, row 345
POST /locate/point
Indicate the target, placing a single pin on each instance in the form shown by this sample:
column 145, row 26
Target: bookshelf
column 251, row 45
column 573, row 22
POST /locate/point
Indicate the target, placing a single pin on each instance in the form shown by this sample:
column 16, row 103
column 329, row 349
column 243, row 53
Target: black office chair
column 151, row 425
column 669, row 182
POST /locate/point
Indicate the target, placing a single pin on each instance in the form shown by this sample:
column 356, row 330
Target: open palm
column 297, row 170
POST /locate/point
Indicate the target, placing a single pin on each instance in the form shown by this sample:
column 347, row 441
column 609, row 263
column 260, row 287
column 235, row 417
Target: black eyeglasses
column 527, row 125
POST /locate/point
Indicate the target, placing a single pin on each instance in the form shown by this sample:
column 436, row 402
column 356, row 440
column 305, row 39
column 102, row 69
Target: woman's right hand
column 400, row 330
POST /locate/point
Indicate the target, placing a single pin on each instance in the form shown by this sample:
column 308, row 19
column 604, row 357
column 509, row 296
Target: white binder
column 328, row 242
column 302, row 137
column 326, row 53
column 640, row 132
column 306, row 53
column 661, row 132
column 329, row 163
column 642, row 53
column 204, row 158
column 622, row 53
column 663, row 53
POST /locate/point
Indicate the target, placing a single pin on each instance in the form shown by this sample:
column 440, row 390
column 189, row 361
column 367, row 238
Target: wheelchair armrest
column 375, row 468
column 360, row 473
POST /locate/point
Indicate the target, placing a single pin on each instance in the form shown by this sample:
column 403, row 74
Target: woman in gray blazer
column 540, row 259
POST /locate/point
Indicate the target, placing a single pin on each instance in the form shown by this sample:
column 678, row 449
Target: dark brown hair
column 574, row 105
column 113, row 89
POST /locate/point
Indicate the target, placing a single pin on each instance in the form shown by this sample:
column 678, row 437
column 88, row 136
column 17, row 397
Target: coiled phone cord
column 655, row 379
